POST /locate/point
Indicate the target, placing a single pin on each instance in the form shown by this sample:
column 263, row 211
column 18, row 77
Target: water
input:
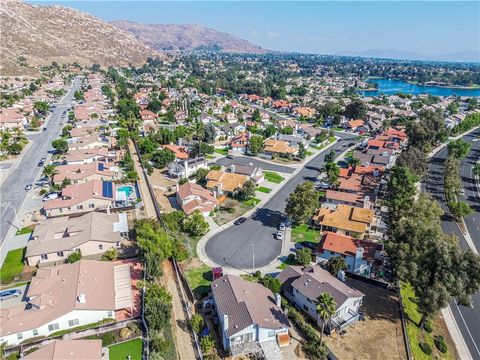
column 127, row 189
column 392, row 87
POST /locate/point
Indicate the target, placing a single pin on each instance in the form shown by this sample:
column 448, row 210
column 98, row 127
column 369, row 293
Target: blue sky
column 427, row 27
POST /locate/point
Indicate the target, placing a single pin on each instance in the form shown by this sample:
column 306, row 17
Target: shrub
column 108, row 339
column 110, row 255
column 125, row 333
column 197, row 323
column 440, row 343
column 74, row 257
column 428, row 327
column 427, row 349
column 133, row 327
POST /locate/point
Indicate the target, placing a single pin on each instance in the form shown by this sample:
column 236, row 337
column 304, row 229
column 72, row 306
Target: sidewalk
column 286, row 244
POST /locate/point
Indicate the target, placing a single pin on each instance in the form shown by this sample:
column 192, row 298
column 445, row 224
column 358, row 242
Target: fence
column 404, row 324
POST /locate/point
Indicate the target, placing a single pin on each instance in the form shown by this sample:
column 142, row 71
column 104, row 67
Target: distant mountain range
column 186, row 37
column 463, row 56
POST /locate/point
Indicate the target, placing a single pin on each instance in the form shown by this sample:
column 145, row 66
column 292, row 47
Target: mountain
column 186, row 37
column 460, row 56
column 43, row 34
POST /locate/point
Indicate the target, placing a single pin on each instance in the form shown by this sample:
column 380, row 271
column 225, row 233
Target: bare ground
column 224, row 217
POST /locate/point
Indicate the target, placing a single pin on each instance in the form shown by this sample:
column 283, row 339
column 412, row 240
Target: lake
column 392, row 87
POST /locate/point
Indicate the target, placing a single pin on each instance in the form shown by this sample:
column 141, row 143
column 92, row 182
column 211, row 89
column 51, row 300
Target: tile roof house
column 180, row 152
column 92, row 141
column 53, row 240
column 12, row 118
column 344, row 219
column 278, row 147
column 186, row 168
column 83, row 173
column 355, row 124
column 68, row 350
column 85, row 156
column 249, row 313
column 239, row 142
column 192, row 197
column 302, row 286
column 80, row 198
column 359, row 254
column 66, row 296
column 254, row 173
column 221, row 182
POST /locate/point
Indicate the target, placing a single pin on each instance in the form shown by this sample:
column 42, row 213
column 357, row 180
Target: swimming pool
column 126, row 189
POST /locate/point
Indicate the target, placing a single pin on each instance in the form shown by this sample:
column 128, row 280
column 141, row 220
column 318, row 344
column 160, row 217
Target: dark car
column 40, row 163
column 8, row 294
column 306, row 244
column 240, row 220
column 28, row 187
column 44, row 129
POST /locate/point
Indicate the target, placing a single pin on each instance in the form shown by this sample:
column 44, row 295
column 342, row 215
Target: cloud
column 254, row 32
column 273, row 34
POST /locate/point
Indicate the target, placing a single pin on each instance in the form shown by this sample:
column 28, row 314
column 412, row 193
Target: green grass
column 82, row 327
column 25, row 230
column 209, row 157
column 273, row 177
column 251, row 202
column 308, row 153
column 287, row 262
column 336, row 128
column 21, row 283
column 199, row 279
column 132, row 348
column 303, row 233
column 12, row 266
column 223, row 151
column 264, row 189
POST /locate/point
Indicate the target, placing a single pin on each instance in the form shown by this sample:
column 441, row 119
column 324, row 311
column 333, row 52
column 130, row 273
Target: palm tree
column 354, row 161
column 49, row 171
column 326, row 308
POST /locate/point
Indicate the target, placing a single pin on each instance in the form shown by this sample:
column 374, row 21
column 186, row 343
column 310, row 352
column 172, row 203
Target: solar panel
column 100, row 167
column 107, row 189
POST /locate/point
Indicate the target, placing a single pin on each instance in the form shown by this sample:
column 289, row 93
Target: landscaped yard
column 231, row 209
column 273, row 177
column 290, row 260
column 199, row 278
column 131, row 349
column 417, row 335
column 304, row 233
column 264, row 189
column 12, row 266
column 25, row 230
column 223, row 151
column 251, row 202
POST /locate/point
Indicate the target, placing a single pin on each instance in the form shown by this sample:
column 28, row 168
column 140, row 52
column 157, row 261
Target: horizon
column 327, row 28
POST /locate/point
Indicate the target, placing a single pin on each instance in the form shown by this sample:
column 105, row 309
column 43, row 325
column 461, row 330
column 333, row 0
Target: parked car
column 9, row 294
column 282, row 226
column 240, row 220
column 322, row 185
column 40, row 163
column 208, row 303
column 28, row 187
column 51, row 196
column 229, row 156
column 44, row 129
column 279, row 235
column 305, row 244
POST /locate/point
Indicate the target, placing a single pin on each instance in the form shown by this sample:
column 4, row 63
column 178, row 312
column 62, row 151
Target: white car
column 282, row 226
column 279, row 235
column 50, row 196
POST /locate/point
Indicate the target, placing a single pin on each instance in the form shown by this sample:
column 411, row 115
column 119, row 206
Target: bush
column 110, row 255
column 74, row 257
column 108, row 339
column 428, row 327
column 425, row 348
column 440, row 343
column 125, row 333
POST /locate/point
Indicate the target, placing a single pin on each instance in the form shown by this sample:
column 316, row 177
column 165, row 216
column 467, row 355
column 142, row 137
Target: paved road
column 233, row 246
column 251, row 160
column 468, row 319
column 12, row 193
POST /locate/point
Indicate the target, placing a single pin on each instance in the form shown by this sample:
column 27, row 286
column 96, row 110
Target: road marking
column 468, row 330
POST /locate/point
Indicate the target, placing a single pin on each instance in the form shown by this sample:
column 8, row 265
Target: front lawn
column 304, row 233
column 290, row 260
column 264, row 189
column 273, row 177
column 199, row 279
column 223, row 151
column 251, row 202
column 131, row 349
column 25, row 230
column 12, row 266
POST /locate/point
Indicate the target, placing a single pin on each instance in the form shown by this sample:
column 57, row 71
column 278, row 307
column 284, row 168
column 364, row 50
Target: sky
column 323, row 27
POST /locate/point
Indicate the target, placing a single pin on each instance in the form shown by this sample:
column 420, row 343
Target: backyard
column 199, row 277
column 12, row 266
column 273, row 177
column 128, row 350
column 304, row 233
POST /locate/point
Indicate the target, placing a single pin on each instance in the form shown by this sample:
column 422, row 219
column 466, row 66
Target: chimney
column 232, row 168
column 278, row 300
column 341, row 275
column 358, row 260
column 185, row 165
column 178, row 187
column 81, row 299
column 225, row 322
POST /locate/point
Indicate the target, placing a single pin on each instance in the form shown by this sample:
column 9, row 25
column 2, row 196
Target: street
column 245, row 160
column 252, row 244
column 13, row 191
column 467, row 318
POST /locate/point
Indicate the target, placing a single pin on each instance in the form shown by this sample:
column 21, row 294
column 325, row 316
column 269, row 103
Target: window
column 117, row 244
column 60, row 210
column 73, row 322
column 60, row 254
column 91, row 206
column 35, row 332
column 271, row 333
column 52, row 327
column 109, row 314
column 19, row 336
column 44, row 257
column 100, row 246
column 79, row 207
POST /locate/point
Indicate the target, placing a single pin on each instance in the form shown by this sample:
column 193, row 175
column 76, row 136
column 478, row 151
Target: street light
column 16, row 217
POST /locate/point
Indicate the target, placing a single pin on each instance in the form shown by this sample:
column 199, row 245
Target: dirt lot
column 380, row 335
column 158, row 179
column 224, row 216
column 162, row 199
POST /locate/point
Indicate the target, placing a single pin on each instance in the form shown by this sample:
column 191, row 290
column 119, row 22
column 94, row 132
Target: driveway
column 252, row 244
column 12, row 191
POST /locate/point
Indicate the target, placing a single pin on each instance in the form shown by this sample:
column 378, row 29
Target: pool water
column 126, row 189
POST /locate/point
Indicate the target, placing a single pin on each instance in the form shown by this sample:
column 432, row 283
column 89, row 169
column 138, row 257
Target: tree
column 303, row 256
column 14, row 149
column 66, row 181
column 158, row 307
column 74, row 257
column 255, row 144
column 330, row 157
column 256, row 117
column 49, row 171
column 60, row 145
column 476, row 169
column 201, row 149
column 333, row 171
column 335, row 264
column 271, row 283
column 401, row 191
column 162, row 158
column 302, row 152
column 195, row 225
column 147, row 146
column 325, row 308
column 41, row 107
column 207, row 344
column 66, row 130
column 460, row 209
column 356, row 109
column 110, row 255
column 210, row 133
column 302, row 202
column 458, row 148
column 197, row 323
column 315, row 350
column 247, row 191
column 34, row 123
column 415, row 159
column 78, row 95
column 287, row 130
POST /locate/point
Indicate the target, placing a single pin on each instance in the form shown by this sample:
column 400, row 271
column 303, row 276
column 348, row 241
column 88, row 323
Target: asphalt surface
column 13, row 193
column 467, row 318
column 243, row 160
column 252, row 244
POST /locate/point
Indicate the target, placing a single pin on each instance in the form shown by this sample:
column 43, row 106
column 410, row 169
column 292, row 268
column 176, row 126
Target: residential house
column 303, row 286
column 80, row 198
column 68, row 349
column 67, row 296
column 274, row 147
column 239, row 142
column 293, row 140
column 221, row 182
column 12, row 118
column 180, row 152
column 344, row 219
column 254, row 173
column 92, row 234
column 250, row 316
column 354, row 125
column 306, row 112
column 192, row 197
column 359, row 254
column 83, row 173
column 86, row 156
column 186, row 168
column 91, row 142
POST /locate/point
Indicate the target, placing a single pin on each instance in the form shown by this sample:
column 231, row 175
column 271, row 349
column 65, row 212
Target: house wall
column 84, row 317
column 90, row 178
column 362, row 269
column 85, row 161
column 97, row 204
